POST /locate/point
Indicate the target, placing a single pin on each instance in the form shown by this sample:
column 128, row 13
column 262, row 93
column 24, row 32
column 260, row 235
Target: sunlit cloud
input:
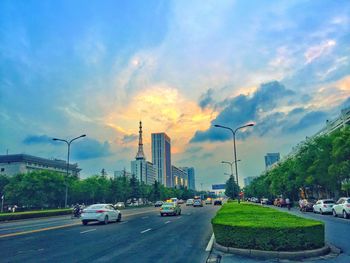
column 317, row 51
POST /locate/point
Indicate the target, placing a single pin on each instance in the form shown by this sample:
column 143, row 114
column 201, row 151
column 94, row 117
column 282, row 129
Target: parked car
column 217, row 202
column 189, row 202
column 265, row 201
column 180, row 201
column 197, row 202
column 342, row 207
column 307, row 205
column 119, row 205
column 254, row 200
column 103, row 213
column 208, row 201
column 158, row 203
column 323, row 206
column 170, row 209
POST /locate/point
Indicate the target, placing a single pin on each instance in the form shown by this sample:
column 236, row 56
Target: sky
column 99, row 67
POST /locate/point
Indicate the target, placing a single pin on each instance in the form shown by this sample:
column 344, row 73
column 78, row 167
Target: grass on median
column 34, row 214
column 252, row 226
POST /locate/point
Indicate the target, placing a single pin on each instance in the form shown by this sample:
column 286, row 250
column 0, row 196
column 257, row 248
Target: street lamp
column 230, row 163
column 68, row 144
column 234, row 145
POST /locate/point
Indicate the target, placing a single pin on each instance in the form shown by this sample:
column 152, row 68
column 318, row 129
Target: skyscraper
column 161, row 157
column 191, row 177
column 271, row 158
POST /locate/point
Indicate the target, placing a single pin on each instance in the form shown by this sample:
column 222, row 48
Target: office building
column 180, row 177
column 271, row 158
column 248, row 180
column 23, row 163
column 161, row 157
column 191, row 177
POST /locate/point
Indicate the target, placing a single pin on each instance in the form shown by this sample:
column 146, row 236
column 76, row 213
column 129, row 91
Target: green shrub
column 252, row 226
column 34, row 214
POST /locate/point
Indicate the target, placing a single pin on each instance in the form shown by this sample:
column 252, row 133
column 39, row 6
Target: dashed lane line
column 167, row 222
column 144, row 231
column 86, row 231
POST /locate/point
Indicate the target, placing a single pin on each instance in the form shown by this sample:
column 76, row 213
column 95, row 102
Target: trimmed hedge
column 253, row 226
column 34, row 214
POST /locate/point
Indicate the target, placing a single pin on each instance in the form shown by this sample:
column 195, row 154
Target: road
column 142, row 236
column 337, row 232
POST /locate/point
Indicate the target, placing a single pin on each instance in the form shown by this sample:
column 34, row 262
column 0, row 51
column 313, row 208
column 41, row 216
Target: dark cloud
column 242, row 109
column 309, row 119
column 129, row 138
column 38, row 139
column 206, row 99
column 90, row 148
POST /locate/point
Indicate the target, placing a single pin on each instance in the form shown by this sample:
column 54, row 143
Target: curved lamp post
column 234, row 145
column 68, row 144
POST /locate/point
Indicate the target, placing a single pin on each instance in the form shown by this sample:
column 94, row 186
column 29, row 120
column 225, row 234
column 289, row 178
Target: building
column 180, row 177
column 248, row 180
column 122, row 173
column 191, row 177
column 218, row 189
column 161, row 157
column 144, row 171
column 271, row 158
column 23, row 163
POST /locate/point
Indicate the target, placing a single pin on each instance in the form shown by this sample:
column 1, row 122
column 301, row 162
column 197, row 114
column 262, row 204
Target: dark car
column 217, row 202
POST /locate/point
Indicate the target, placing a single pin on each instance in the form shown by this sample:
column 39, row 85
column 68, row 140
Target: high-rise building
column 191, row 177
column 144, row 171
column 161, row 157
column 271, row 158
column 180, row 177
column 248, row 180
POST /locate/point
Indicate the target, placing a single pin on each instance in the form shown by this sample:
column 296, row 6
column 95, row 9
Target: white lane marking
column 179, row 217
column 86, row 231
column 144, row 231
column 211, row 242
column 124, row 222
column 167, row 222
column 144, row 217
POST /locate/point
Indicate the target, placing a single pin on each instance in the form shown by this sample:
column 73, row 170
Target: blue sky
column 74, row 67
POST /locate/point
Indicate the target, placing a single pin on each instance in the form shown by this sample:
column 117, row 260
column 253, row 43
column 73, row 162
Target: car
column 265, row 201
column 323, row 206
column 170, row 208
column 342, row 207
column 158, row 203
column 180, row 202
column 189, row 202
column 103, row 213
column 307, row 205
column 119, row 205
column 217, row 202
column 209, row 201
column 197, row 202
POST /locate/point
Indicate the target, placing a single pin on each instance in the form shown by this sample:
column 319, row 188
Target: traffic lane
column 90, row 243
column 183, row 239
column 49, row 222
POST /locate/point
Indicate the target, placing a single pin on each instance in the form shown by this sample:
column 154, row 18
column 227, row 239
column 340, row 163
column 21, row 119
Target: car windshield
column 328, row 202
column 96, row 207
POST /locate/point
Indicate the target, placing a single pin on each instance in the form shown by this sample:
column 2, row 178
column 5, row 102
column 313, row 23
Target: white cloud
column 317, row 51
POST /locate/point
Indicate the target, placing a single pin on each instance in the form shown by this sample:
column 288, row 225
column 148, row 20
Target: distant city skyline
column 97, row 68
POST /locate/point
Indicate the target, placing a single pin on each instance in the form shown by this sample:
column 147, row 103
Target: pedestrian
column 288, row 203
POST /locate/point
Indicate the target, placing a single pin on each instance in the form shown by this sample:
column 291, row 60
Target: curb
column 294, row 255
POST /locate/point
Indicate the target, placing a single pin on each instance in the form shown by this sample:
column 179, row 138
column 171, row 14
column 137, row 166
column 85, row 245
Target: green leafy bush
column 34, row 214
column 252, row 226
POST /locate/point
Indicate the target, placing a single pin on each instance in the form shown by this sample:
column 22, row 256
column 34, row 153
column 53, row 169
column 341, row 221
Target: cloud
column 244, row 108
column 206, row 99
column 309, row 119
column 129, row 138
column 317, row 51
column 90, row 149
column 38, row 139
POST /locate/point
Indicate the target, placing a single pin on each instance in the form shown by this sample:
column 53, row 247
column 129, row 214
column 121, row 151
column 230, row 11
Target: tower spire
column 140, row 154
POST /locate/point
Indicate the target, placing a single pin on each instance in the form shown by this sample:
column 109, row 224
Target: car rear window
column 96, row 207
column 349, row 200
column 328, row 202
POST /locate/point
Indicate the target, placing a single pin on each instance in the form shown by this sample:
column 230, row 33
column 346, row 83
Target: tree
column 231, row 188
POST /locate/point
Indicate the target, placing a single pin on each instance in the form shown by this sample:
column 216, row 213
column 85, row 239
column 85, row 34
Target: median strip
column 144, row 231
column 211, row 242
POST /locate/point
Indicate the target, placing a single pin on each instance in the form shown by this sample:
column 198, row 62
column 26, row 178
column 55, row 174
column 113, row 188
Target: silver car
column 103, row 213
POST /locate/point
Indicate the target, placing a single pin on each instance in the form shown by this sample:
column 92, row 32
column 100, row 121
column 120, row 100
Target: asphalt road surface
column 142, row 236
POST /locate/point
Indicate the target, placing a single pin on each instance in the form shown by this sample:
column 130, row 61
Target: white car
column 102, row 213
column 342, row 207
column 323, row 206
column 189, row 202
